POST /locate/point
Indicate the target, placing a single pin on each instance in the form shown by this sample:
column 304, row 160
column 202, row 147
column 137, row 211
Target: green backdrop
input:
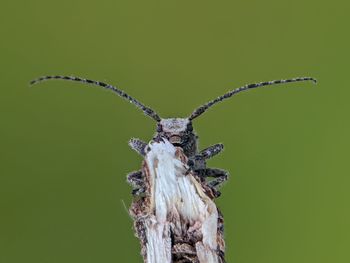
column 63, row 146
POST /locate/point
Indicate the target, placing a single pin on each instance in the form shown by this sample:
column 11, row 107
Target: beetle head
column 176, row 130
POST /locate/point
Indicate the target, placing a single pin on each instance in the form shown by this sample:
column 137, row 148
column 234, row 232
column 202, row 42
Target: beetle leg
column 197, row 162
column 136, row 180
column 138, row 146
column 211, row 151
column 219, row 176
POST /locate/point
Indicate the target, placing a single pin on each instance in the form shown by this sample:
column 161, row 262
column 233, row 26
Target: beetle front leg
column 211, row 151
column 138, row 146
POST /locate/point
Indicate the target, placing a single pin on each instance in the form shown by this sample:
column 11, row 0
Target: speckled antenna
column 200, row 110
column 146, row 110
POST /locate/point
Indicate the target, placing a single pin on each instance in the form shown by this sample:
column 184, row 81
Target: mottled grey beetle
column 178, row 131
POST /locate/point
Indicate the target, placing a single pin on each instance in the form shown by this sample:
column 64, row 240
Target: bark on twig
column 176, row 221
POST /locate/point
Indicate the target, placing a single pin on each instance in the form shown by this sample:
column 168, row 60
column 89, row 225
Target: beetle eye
column 190, row 127
column 159, row 128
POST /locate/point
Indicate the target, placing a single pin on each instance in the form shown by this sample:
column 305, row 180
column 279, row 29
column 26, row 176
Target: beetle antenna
column 200, row 110
column 146, row 110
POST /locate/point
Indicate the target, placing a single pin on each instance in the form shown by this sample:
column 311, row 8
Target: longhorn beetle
column 187, row 244
column 178, row 131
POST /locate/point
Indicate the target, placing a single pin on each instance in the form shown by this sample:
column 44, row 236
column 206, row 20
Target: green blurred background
column 63, row 146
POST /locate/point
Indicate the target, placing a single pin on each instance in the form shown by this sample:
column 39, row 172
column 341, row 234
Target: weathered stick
column 176, row 221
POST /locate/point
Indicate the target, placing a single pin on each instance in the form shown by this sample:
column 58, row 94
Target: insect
column 180, row 133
